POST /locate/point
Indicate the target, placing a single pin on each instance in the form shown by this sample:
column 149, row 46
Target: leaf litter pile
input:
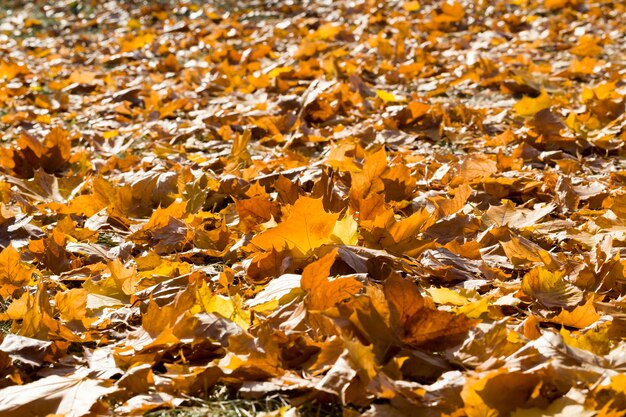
column 402, row 208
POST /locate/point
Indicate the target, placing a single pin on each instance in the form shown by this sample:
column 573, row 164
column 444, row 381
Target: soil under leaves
column 400, row 207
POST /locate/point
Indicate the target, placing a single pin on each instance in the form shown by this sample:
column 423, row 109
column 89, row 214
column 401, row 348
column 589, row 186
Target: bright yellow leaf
column 528, row 106
column 388, row 97
column 307, row 227
column 411, row 6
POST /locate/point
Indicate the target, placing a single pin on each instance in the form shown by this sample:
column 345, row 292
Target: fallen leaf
column 13, row 273
column 580, row 317
column 307, row 227
column 322, row 291
column 550, row 289
column 71, row 395
column 417, row 319
column 528, row 106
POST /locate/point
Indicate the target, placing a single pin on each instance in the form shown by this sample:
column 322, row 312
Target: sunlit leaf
column 399, row 209
column 307, row 227
column 72, row 395
column 13, row 273
column 528, row 106
column 550, row 288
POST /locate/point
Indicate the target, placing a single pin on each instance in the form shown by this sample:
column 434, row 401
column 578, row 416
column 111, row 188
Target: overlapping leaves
column 408, row 208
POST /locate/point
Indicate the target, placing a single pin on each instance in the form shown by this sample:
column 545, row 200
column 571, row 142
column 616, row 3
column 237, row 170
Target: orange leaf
column 307, row 227
column 72, row 304
column 498, row 393
column 13, row 274
column 581, row 316
column 474, row 166
column 369, row 181
column 528, row 106
column 587, row 46
column 418, row 320
column 57, row 153
column 322, row 292
column 411, row 6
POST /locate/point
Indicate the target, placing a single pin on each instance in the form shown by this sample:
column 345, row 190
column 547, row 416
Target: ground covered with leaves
column 397, row 208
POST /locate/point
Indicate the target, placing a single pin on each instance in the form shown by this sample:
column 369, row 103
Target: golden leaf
column 307, row 227
column 71, row 304
column 581, row 316
column 528, row 106
column 323, row 292
column 550, row 288
column 411, row 6
column 13, row 273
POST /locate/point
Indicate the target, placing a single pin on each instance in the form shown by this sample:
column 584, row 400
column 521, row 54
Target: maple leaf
column 550, row 288
column 30, row 351
column 265, row 266
column 398, row 236
column 323, row 292
column 72, row 395
column 368, row 181
column 57, row 154
column 307, row 226
column 498, row 392
column 419, row 322
column 13, row 273
column 523, row 252
column 473, row 167
column 72, row 304
column 412, row 209
column 256, row 210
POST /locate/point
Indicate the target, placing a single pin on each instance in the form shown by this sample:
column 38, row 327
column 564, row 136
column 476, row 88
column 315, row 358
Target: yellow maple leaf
column 528, row 106
column 13, row 274
column 550, row 288
column 322, row 292
column 307, row 227
column 71, row 304
column 228, row 307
